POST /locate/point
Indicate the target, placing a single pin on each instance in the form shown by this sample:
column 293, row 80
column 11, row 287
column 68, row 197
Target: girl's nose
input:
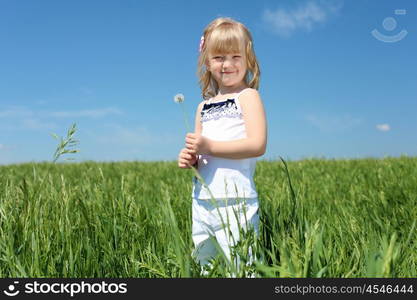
column 226, row 63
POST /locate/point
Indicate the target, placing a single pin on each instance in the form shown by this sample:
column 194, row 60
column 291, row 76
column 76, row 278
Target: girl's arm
column 256, row 131
column 197, row 126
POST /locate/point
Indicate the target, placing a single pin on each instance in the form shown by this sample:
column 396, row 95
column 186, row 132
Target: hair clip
column 201, row 43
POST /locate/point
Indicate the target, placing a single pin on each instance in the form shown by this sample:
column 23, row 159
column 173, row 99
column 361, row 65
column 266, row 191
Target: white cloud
column 23, row 112
column 36, row 124
column 285, row 22
column 116, row 135
column 88, row 113
column 14, row 118
column 333, row 123
column 5, row 148
column 16, row 112
column 383, row 127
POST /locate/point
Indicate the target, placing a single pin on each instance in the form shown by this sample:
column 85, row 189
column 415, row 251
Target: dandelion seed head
column 179, row 98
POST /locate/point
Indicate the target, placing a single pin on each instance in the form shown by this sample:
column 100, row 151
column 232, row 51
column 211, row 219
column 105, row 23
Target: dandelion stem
column 184, row 112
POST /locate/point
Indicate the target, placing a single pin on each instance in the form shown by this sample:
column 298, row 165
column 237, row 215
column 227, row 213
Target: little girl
column 230, row 132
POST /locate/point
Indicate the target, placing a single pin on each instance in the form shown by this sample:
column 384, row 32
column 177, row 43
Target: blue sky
column 330, row 87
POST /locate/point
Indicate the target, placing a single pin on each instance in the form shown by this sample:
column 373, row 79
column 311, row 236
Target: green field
column 341, row 218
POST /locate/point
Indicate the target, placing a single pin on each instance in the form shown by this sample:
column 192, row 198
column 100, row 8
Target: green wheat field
column 319, row 218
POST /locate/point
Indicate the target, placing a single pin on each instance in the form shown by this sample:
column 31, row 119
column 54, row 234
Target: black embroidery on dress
column 215, row 111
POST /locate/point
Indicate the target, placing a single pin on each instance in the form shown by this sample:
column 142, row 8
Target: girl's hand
column 186, row 159
column 197, row 144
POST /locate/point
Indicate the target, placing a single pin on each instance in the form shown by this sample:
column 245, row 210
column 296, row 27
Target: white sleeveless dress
column 225, row 178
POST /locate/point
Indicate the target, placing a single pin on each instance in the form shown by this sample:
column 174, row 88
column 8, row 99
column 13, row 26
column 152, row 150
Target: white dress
column 225, row 178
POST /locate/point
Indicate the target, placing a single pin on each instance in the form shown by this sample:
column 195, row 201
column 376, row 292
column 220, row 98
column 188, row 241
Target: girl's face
column 228, row 70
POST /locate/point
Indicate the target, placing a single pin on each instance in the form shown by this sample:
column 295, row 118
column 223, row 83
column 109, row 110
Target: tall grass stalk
column 358, row 220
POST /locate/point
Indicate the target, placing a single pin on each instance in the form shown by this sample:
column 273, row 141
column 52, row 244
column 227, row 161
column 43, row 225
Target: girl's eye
column 218, row 58
column 236, row 56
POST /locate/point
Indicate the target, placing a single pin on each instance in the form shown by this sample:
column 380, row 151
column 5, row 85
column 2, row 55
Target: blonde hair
column 225, row 35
